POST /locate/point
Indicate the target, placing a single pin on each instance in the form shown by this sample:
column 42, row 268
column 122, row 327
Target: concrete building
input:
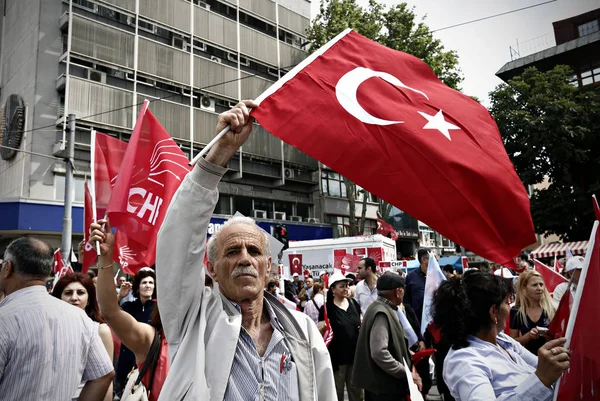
column 193, row 60
column 577, row 45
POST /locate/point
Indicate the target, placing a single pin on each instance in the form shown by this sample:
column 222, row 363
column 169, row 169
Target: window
column 588, row 28
column 333, row 184
column 303, row 210
column 223, row 205
column 77, row 190
column 590, row 75
column 86, row 4
column 243, row 205
column 264, row 204
column 341, row 225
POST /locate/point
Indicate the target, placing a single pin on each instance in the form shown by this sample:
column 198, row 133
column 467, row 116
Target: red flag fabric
column 359, row 251
column 384, row 229
column 416, row 127
column 558, row 326
column 582, row 381
column 59, row 263
column 108, row 159
column 152, row 169
column 596, row 207
column 295, row 263
column 89, row 253
column 328, row 332
column 551, row 278
column 376, row 254
column 338, row 259
column 418, row 356
column 558, row 267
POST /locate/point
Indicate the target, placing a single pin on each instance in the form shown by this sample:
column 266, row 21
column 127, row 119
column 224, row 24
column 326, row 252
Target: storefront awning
column 560, row 249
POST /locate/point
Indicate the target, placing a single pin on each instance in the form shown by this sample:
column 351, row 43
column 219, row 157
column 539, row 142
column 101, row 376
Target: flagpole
column 93, row 186
column 576, row 301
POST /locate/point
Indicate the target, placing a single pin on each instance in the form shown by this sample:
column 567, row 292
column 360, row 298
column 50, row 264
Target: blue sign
column 22, row 216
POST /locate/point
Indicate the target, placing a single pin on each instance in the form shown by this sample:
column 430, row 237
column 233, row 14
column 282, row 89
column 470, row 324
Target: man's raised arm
column 182, row 237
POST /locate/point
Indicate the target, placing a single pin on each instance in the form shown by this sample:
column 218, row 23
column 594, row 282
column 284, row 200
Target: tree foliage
column 396, row 28
column 551, row 130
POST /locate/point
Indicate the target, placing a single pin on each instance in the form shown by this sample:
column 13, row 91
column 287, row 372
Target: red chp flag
column 551, row 278
column 582, row 381
column 295, row 264
column 59, row 263
column 108, row 159
column 424, row 136
column 384, row 229
column 152, row 170
column 89, row 253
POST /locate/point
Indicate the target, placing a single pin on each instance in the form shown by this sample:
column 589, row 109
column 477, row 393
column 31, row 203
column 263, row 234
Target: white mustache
column 244, row 270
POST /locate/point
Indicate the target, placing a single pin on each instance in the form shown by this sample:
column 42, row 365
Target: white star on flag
column 439, row 123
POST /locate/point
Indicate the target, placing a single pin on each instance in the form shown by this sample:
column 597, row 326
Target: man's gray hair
column 31, row 257
column 385, row 293
column 212, row 242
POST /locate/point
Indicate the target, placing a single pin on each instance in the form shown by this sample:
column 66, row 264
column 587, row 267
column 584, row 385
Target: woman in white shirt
column 484, row 363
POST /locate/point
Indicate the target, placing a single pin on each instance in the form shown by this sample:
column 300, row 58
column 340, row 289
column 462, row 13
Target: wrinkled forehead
column 240, row 234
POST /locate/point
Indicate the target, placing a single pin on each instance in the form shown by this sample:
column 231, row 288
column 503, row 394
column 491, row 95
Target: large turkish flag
column 427, row 149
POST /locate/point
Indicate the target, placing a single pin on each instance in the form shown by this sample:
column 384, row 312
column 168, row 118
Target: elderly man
column 381, row 349
column 241, row 344
column 47, row 346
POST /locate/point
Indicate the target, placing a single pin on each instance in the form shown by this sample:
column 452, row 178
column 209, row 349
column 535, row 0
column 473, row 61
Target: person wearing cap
column 572, row 272
column 381, row 352
column 296, row 282
column 345, row 318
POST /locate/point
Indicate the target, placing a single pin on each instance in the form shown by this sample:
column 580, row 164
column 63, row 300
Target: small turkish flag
column 152, row 170
column 422, row 135
column 384, row 229
column 59, row 263
column 551, row 278
column 295, row 263
column 596, row 207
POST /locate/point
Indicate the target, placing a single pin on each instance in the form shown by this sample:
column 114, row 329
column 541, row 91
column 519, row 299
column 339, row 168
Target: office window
column 223, row 205
column 303, row 210
column 333, row 184
column 590, row 75
column 77, row 191
column 341, row 225
column 264, row 204
column 243, row 205
column 286, row 207
column 588, row 28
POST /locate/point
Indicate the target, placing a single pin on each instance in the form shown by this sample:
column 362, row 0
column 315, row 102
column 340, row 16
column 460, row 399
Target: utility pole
column 67, row 225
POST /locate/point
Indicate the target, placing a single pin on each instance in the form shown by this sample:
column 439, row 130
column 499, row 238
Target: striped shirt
column 274, row 377
column 47, row 347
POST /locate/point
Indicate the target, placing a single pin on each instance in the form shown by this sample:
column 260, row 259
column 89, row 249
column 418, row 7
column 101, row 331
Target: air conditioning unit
column 259, row 214
column 311, row 220
column 207, row 103
column 296, row 218
column 289, row 173
column 96, row 76
column 278, row 215
column 215, row 58
column 179, row 42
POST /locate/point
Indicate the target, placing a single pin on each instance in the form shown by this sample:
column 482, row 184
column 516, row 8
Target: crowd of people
column 222, row 332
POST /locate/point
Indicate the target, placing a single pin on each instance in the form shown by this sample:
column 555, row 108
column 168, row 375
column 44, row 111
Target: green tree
column 396, row 28
column 551, row 131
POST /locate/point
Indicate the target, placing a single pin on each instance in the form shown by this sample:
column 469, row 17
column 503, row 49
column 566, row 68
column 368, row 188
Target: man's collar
column 388, row 303
column 268, row 309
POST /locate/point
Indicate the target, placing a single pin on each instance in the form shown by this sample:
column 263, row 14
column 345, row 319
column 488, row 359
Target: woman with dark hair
column 345, row 318
column 136, row 335
column 79, row 290
column 484, row 363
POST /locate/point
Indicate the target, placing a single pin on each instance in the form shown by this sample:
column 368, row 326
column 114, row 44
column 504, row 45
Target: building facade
column 577, row 45
column 192, row 59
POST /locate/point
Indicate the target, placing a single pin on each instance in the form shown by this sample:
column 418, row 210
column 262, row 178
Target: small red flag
column 295, row 263
column 152, row 169
column 108, row 159
column 558, row 325
column 423, row 135
column 59, row 263
column 582, row 381
column 385, row 228
column 551, row 278
column 89, row 253
column 328, row 332
column 596, row 207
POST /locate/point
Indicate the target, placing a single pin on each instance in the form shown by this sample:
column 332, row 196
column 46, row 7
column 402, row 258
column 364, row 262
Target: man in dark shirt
column 415, row 284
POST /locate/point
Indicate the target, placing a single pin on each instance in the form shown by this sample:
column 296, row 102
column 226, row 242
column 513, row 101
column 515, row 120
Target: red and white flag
column 328, row 332
column 551, row 278
column 385, row 228
column 582, row 381
column 355, row 91
column 295, row 263
column 107, row 159
column 89, row 216
column 596, row 207
column 60, row 267
column 152, row 169
column 558, row 267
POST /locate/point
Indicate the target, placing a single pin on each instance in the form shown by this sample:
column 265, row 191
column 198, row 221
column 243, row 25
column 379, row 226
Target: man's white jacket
column 201, row 326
